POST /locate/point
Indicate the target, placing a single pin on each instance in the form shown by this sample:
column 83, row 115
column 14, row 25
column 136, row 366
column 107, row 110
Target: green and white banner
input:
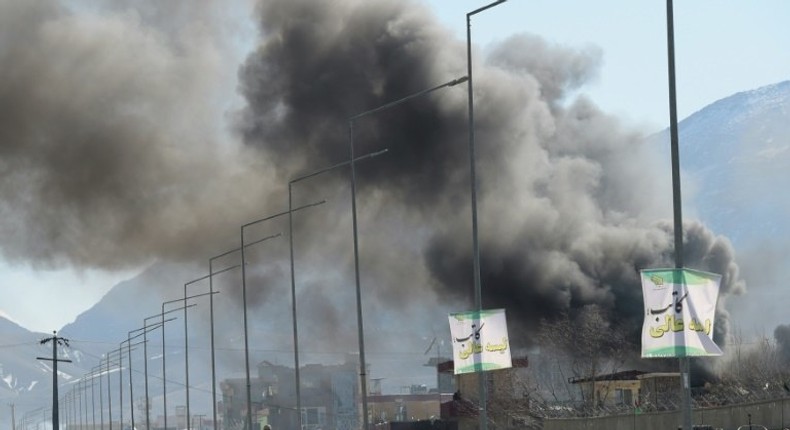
column 680, row 306
column 480, row 341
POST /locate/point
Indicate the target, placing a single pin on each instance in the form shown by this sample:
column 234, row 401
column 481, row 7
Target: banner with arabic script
column 480, row 341
column 680, row 305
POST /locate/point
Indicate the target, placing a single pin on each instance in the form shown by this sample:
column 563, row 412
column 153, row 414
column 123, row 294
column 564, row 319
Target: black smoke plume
column 782, row 336
column 115, row 152
column 570, row 199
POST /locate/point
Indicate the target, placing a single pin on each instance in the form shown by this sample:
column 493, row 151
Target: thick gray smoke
column 112, row 145
column 782, row 336
column 115, row 152
column 569, row 197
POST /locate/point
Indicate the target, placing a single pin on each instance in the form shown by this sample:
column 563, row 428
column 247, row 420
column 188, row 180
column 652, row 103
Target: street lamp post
column 248, row 423
column 473, row 182
column 101, row 396
column 685, row 363
column 81, row 390
column 131, row 384
column 293, row 277
column 120, row 376
column 85, row 395
column 120, row 383
column 360, row 334
column 186, row 329
column 154, row 326
column 93, row 396
column 68, row 401
column 85, row 391
column 211, row 318
column 143, row 330
column 109, row 390
column 164, row 352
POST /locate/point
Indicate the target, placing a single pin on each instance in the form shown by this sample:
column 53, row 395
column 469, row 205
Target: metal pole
column 161, row 323
column 85, row 392
column 72, row 395
column 129, row 338
column 93, row 397
column 248, row 418
column 131, row 388
column 82, row 392
column 164, row 371
column 120, row 385
column 360, row 333
column 248, row 422
column 145, row 372
column 101, row 395
column 186, row 332
column 351, row 162
column 211, row 301
column 297, row 375
column 685, row 365
column 145, row 365
column 213, row 358
column 186, row 355
column 357, row 283
column 473, row 182
column 109, row 393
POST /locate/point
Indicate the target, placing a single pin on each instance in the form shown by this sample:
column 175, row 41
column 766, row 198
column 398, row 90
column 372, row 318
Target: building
column 329, row 397
column 629, row 388
column 508, row 400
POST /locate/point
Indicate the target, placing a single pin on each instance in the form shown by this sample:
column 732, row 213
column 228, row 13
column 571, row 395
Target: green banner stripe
column 681, row 276
column 479, row 367
column 475, row 315
column 676, row 351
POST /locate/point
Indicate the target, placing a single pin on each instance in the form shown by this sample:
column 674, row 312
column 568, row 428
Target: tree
column 583, row 345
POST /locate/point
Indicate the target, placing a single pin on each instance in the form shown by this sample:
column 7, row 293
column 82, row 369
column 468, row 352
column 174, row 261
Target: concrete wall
column 773, row 414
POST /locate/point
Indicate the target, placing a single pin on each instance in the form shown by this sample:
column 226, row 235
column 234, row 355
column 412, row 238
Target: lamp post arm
column 275, row 216
column 409, row 97
column 477, row 293
column 489, row 6
column 290, row 212
column 335, row 166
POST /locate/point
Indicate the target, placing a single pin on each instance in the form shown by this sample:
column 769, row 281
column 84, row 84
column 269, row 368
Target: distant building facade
column 629, row 388
column 507, row 397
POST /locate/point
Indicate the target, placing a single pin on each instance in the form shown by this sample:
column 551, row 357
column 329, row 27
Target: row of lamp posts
column 104, row 369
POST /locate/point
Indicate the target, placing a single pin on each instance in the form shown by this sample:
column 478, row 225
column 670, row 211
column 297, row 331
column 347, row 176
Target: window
column 623, row 396
column 313, row 417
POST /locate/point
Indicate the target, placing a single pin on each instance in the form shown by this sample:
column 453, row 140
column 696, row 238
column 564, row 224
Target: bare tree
column 584, row 345
column 753, row 371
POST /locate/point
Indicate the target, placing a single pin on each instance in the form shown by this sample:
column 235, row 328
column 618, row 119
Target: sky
column 722, row 47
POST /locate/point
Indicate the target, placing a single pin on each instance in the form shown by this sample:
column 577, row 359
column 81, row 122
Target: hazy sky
column 722, row 47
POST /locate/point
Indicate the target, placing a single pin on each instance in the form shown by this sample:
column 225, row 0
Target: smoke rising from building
column 115, row 152
column 569, row 195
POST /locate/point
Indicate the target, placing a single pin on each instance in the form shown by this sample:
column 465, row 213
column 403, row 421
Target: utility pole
column 55, row 342
column 13, row 416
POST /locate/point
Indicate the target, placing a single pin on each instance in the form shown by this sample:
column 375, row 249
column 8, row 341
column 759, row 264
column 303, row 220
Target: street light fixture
column 473, row 182
column 129, row 345
column 101, row 395
column 93, row 395
column 685, row 362
column 120, row 375
column 293, row 277
column 164, row 352
column 154, row 326
column 109, row 390
column 211, row 304
column 186, row 331
column 248, row 425
column 360, row 334
column 143, row 330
